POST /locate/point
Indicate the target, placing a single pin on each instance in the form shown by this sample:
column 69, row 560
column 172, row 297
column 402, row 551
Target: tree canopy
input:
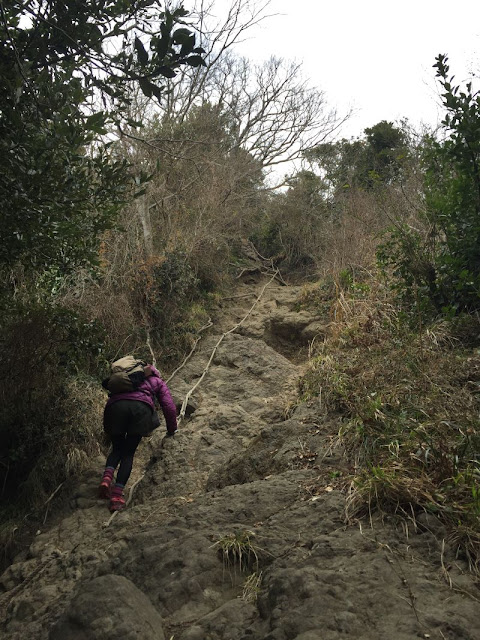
column 442, row 266
column 376, row 159
column 66, row 73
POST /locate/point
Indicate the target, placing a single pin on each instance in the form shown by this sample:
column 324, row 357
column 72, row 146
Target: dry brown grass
column 352, row 236
column 409, row 407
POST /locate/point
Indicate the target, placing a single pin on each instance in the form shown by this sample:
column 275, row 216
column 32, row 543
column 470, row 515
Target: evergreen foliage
column 441, row 268
column 377, row 160
column 294, row 227
column 65, row 74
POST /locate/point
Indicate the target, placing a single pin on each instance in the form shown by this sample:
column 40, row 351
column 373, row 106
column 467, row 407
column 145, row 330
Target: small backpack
column 128, row 373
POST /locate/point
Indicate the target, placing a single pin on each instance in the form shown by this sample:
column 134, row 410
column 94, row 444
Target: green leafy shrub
column 47, row 413
column 406, row 258
column 60, row 186
column 441, row 265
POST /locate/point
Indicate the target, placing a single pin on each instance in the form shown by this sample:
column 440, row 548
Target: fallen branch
column 243, row 295
column 271, row 264
column 279, row 278
column 50, row 498
column 250, row 270
column 149, row 345
column 148, row 341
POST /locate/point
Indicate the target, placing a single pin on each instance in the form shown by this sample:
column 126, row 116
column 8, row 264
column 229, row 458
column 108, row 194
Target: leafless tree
column 224, row 124
column 220, row 28
column 274, row 114
column 277, row 115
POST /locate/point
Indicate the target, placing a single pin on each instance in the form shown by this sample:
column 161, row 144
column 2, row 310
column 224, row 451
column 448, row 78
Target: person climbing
column 128, row 416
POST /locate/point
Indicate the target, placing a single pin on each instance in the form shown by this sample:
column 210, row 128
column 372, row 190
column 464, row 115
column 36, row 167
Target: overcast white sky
column 373, row 55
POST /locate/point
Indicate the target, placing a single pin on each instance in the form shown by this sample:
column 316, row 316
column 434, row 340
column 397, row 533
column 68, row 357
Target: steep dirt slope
column 251, row 471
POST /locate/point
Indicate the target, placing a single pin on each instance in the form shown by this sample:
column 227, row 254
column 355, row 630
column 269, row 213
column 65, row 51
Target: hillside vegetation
column 131, row 204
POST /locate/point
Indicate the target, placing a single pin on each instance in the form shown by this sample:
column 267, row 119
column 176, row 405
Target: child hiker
column 128, row 416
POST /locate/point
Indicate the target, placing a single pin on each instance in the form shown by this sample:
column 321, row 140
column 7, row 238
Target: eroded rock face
column 249, row 471
column 108, row 608
column 280, row 324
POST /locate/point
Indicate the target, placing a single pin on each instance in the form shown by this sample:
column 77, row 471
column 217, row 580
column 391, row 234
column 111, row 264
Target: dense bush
column 168, row 297
column 47, row 423
column 295, row 223
column 62, row 185
column 407, row 406
column 438, row 264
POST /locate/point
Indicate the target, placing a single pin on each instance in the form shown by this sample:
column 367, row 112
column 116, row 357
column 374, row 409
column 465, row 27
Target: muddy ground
column 236, row 529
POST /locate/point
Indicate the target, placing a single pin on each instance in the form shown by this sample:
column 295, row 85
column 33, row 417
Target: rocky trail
column 236, row 529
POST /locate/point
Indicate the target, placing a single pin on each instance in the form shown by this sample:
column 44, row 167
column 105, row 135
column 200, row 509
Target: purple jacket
column 151, row 388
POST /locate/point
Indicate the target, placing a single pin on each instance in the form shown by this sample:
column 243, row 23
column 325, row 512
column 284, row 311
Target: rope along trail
column 192, row 390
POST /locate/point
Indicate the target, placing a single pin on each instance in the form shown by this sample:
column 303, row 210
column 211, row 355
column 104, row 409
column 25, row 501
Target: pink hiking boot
column 104, row 490
column 117, row 501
